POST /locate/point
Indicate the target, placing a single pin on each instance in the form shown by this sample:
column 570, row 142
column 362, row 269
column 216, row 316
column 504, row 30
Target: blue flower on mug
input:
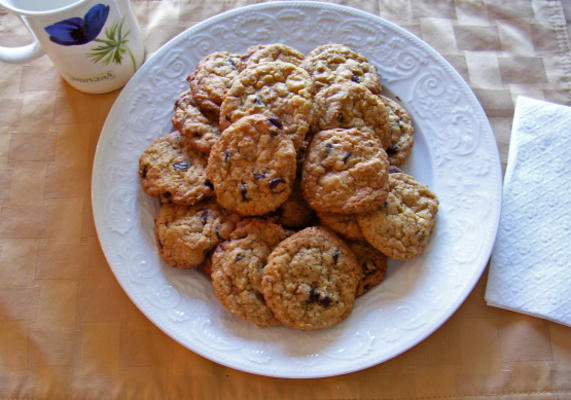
column 77, row 31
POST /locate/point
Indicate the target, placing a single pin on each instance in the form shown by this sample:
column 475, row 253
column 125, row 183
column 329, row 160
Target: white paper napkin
column 530, row 268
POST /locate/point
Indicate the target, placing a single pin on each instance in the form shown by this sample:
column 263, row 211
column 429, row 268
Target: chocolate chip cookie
column 350, row 105
column 186, row 234
column 334, row 63
column 345, row 171
column 373, row 265
column 401, row 228
column 237, row 266
column 271, row 52
column 310, row 279
column 344, row 224
column 172, row 170
column 211, row 80
column 402, row 131
column 280, row 90
column 252, row 166
column 295, row 213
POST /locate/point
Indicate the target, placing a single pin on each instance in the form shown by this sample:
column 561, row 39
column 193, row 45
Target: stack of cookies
column 280, row 181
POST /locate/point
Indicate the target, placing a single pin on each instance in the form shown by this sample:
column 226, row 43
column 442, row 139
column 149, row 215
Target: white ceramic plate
column 455, row 154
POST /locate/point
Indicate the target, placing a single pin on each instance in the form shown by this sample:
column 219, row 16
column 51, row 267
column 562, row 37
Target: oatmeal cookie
column 211, row 80
column 252, row 166
column 279, row 90
column 334, row 63
column 345, row 171
column 402, row 131
column 344, row 224
column 199, row 131
column 271, row 52
column 373, row 265
column 172, row 170
column 402, row 226
column 185, row 234
column 295, row 213
column 350, row 105
column 237, row 266
column 310, row 279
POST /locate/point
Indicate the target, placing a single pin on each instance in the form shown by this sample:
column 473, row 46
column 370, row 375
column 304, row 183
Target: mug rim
column 41, row 13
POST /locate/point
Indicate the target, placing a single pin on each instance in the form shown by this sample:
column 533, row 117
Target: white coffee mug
column 96, row 45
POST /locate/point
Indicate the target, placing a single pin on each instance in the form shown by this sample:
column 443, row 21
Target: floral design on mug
column 78, row 31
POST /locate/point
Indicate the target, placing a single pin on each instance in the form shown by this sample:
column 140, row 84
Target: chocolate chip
column 336, row 255
column 340, row 118
column 228, row 119
column 393, row 149
column 182, row 166
column 324, row 301
column 259, row 176
column 346, row 156
column 167, row 195
column 275, row 121
column 209, row 184
column 355, row 79
column 231, row 62
column 394, row 169
column 239, row 256
column 244, row 191
column 258, row 101
column 328, row 146
column 398, row 98
column 274, row 182
column 260, row 297
column 217, row 231
column 204, row 216
column 226, row 155
column 143, row 172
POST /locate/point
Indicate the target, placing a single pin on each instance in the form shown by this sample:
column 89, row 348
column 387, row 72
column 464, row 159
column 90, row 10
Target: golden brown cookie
column 277, row 89
column 402, row 131
column 271, row 52
column 172, row 170
column 335, row 63
column 200, row 132
column 252, row 166
column 373, row 265
column 345, row 171
column 401, row 228
column 295, row 213
column 344, row 224
column 310, row 279
column 237, row 266
column 186, row 234
column 211, row 80
column 350, row 105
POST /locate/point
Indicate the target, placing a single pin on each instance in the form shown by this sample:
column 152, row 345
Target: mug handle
column 20, row 54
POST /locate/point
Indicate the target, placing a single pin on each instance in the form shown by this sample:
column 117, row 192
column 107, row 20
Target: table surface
column 67, row 330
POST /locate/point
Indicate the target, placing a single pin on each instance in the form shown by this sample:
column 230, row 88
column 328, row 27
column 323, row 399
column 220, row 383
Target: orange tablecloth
column 67, row 330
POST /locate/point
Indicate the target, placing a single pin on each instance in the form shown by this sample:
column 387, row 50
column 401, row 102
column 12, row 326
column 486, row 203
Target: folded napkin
column 530, row 268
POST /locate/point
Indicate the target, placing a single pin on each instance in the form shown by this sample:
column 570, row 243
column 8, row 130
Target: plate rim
column 452, row 307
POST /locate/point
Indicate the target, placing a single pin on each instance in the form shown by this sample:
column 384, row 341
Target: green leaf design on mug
column 113, row 47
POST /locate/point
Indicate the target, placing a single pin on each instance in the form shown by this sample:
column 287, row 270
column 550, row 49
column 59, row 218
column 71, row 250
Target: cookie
column 237, row 266
column 271, row 52
column 212, row 78
column 252, row 166
column 350, row 105
column 345, row 171
column 334, row 63
column 402, row 131
column 295, row 213
column 310, row 279
column 277, row 89
column 401, row 228
column 185, row 234
column 200, row 132
column 373, row 265
column 344, row 224
column 172, row 170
